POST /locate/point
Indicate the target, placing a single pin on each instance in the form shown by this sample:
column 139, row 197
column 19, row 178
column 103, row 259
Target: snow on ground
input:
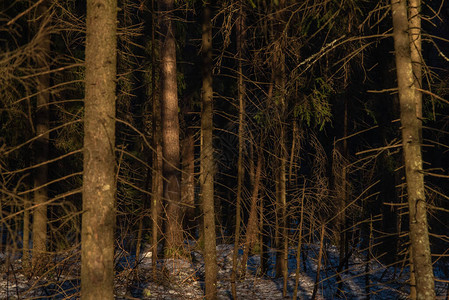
column 181, row 279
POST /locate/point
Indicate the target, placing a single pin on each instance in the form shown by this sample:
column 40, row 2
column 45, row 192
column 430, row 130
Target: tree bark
column 157, row 181
column 281, row 209
column 415, row 52
column 39, row 229
column 99, row 185
column 170, row 133
column 279, row 72
column 156, row 199
column 207, row 160
column 251, row 229
column 281, row 201
column 341, row 193
column 411, row 128
column 298, row 248
column 281, row 267
column 188, row 180
column 319, row 262
column 240, row 24
column 26, row 235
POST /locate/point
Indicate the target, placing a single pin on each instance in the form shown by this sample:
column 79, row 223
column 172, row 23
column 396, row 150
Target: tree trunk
column 188, row 181
column 319, row 263
column 251, row 229
column 411, row 128
column 26, row 234
column 298, row 248
column 412, row 280
column 282, row 241
column 99, row 185
column 263, row 237
column 415, row 50
column 279, row 72
column 415, row 53
column 240, row 24
column 156, row 199
column 170, row 133
column 41, row 145
column 341, row 192
column 207, row 160
column 295, row 140
column 157, row 182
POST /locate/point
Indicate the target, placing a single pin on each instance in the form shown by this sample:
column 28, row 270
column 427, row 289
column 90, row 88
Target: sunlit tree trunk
column 170, row 133
column 39, row 229
column 415, row 51
column 99, row 185
column 240, row 25
column 409, row 96
column 207, row 160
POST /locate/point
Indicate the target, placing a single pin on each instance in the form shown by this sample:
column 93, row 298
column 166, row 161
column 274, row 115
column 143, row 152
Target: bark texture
column 240, row 25
column 99, row 187
column 415, row 50
column 156, row 201
column 188, row 180
column 207, row 160
column 299, row 245
column 252, row 227
column 157, row 181
column 411, row 128
column 170, row 133
column 279, row 74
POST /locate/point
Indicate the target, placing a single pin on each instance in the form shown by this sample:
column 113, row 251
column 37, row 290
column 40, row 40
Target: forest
column 228, row 149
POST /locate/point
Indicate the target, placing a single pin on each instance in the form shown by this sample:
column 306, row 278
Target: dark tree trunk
column 188, row 180
column 240, row 25
column 279, row 76
column 251, row 229
column 39, row 229
column 156, row 179
column 207, row 160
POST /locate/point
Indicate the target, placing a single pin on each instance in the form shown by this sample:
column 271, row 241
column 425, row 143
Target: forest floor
column 184, row 279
